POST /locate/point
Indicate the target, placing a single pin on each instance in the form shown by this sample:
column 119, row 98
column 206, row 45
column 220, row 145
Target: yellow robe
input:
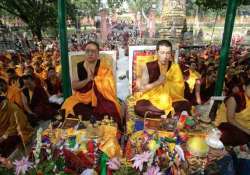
column 243, row 117
column 193, row 76
column 12, row 118
column 171, row 91
column 104, row 80
column 14, row 94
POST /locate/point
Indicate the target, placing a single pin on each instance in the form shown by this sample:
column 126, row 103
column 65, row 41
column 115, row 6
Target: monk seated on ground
column 36, row 101
column 94, row 88
column 53, row 88
column 161, row 85
column 14, row 126
column 233, row 118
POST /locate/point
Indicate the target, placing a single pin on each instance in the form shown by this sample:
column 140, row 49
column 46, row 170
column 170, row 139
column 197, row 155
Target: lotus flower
column 140, row 159
column 153, row 170
column 22, row 166
column 114, row 164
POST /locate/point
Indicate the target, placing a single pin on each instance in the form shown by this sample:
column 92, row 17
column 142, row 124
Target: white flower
column 140, row 159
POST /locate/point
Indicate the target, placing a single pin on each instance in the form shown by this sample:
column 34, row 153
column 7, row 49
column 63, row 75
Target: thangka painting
column 138, row 57
column 76, row 57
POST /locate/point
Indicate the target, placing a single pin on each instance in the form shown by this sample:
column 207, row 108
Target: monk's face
column 51, row 73
column 164, row 54
column 92, row 53
column 30, row 84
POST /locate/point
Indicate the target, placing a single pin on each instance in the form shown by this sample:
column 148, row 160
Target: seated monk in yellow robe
column 233, row 118
column 161, row 85
column 14, row 126
column 95, row 92
column 192, row 84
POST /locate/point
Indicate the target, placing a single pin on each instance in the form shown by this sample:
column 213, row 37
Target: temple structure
column 173, row 17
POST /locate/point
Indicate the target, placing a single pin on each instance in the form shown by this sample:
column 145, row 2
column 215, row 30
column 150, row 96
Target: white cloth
column 56, row 99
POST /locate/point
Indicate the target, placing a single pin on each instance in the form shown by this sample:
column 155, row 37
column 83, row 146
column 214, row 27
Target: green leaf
column 6, row 171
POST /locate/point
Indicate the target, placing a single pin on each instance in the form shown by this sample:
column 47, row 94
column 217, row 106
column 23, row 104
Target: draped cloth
column 12, row 118
column 175, row 82
column 242, row 117
column 193, row 76
column 162, row 96
column 39, row 103
column 14, row 94
column 98, row 95
column 232, row 135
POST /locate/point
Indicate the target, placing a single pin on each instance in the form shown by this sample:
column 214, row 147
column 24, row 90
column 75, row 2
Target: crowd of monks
column 28, row 81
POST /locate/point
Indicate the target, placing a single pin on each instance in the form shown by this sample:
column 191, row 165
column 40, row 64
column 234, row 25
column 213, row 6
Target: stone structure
column 104, row 26
column 151, row 22
column 173, row 17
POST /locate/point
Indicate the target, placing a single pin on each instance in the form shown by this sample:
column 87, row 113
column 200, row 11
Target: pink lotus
column 153, row 170
column 114, row 164
column 22, row 165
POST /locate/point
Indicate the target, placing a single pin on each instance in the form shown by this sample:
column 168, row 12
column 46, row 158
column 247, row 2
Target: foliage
column 87, row 7
column 37, row 14
column 141, row 5
column 126, row 170
column 6, row 171
column 47, row 167
column 218, row 4
column 115, row 4
column 91, row 7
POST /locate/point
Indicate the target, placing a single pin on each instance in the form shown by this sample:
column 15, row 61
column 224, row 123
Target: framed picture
column 70, row 123
column 138, row 57
column 76, row 57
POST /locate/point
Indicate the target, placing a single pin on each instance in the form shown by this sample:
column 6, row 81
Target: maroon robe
column 39, row 103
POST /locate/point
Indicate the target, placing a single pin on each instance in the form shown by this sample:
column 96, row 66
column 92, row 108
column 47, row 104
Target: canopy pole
column 64, row 49
column 227, row 36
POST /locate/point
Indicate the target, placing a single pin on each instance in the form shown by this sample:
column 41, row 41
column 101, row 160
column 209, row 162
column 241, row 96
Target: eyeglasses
column 89, row 52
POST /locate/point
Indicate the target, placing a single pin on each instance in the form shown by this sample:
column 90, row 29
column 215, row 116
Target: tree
column 88, row 7
column 37, row 14
column 91, row 7
column 218, row 4
column 115, row 4
column 141, row 7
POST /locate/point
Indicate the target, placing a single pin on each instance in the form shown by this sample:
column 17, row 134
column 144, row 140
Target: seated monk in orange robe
column 94, row 89
column 14, row 126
